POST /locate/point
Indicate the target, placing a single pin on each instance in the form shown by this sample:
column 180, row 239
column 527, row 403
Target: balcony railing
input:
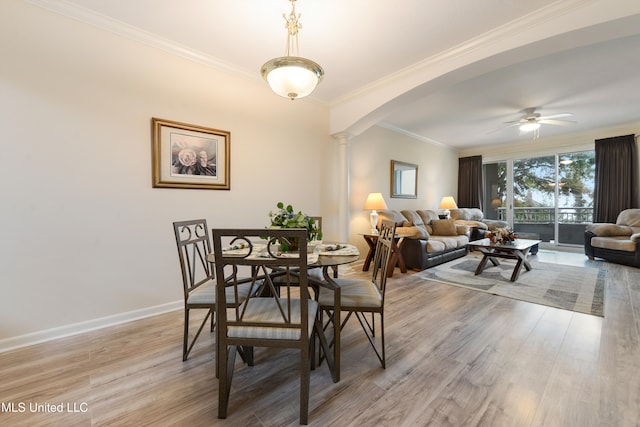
column 546, row 215
column 541, row 221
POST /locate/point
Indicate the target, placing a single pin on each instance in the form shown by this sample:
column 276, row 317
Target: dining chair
column 316, row 273
column 318, row 222
column 277, row 314
column 364, row 296
column 198, row 277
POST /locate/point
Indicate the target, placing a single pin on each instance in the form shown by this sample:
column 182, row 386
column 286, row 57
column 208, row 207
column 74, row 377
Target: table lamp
column 447, row 203
column 374, row 202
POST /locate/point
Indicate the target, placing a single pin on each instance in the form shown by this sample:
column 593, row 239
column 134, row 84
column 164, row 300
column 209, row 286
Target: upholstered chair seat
column 619, row 242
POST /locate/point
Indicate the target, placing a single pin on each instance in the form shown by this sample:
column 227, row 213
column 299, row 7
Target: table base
column 506, row 253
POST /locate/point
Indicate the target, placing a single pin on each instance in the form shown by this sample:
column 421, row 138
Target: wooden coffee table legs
column 507, row 253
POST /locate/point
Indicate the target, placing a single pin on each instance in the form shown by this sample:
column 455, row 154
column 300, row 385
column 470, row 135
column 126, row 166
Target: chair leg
column 373, row 324
column 325, row 348
column 305, row 379
column 227, row 357
column 246, row 354
column 185, row 350
column 185, row 337
column 384, row 364
column 366, row 327
column 312, row 349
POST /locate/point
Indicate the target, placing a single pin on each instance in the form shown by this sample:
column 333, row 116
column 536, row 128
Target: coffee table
column 518, row 250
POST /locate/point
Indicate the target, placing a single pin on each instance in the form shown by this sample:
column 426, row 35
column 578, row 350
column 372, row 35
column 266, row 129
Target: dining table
column 324, row 258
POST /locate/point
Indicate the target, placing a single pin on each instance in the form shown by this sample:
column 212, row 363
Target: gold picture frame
column 190, row 156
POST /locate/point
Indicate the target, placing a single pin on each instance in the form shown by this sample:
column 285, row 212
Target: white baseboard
column 89, row 325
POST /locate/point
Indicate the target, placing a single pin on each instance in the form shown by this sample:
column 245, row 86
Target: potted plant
column 286, row 217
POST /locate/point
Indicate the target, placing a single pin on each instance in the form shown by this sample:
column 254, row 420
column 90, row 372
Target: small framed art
column 190, row 156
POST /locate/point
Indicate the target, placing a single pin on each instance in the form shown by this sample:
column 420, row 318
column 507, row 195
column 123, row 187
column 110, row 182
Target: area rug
column 579, row 289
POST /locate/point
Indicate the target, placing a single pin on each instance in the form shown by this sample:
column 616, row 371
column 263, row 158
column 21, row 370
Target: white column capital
column 342, row 137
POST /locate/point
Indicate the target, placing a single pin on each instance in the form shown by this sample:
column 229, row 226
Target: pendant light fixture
column 292, row 76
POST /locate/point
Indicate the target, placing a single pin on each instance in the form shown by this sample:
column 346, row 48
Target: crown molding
column 87, row 16
column 462, row 50
column 410, row 134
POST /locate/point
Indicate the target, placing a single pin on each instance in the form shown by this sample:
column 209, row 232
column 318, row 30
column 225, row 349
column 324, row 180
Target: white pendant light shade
column 292, row 76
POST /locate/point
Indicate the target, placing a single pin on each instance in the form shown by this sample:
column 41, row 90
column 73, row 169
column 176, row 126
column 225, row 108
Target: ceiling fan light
column 529, row 127
column 292, row 76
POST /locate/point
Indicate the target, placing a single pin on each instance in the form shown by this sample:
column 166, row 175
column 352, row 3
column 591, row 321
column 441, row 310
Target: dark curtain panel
column 616, row 177
column 470, row 182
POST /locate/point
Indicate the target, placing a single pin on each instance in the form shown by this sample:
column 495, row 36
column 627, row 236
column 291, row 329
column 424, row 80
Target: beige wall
column 371, row 155
column 86, row 239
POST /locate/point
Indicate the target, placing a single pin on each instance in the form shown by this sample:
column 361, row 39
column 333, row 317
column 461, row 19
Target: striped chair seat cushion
column 206, row 294
column 354, row 293
column 266, row 310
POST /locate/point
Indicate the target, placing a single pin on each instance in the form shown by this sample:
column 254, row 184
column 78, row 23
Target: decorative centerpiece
column 501, row 235
column 285, row 217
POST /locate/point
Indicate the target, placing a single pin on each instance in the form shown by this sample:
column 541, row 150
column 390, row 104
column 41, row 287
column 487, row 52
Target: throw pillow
column 413, row 217
column 443, row 227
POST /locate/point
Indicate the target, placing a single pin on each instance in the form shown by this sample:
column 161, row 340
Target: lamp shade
column 375, row 201
column 447, row 202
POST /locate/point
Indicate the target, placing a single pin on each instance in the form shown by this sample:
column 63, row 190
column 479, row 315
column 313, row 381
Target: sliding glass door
column 534, row 197
column 576, row 179
column 551, row 196
column 495, row 190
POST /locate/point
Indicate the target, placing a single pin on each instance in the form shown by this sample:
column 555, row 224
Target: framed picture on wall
column 189, row 156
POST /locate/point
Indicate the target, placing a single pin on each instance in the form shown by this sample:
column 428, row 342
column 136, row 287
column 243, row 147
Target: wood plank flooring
column 455, row 357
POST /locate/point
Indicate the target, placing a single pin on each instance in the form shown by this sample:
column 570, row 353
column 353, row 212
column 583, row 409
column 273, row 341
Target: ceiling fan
column 531, row 121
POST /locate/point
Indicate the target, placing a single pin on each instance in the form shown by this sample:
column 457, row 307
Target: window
column 551, row 195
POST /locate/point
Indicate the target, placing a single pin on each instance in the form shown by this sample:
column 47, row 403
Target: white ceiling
column 360, row 43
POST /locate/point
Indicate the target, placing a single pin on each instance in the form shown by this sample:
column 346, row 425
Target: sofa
column 619, row 242
column 427, row 240
column 475, row 220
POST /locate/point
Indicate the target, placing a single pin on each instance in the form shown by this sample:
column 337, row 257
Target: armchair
column 619, row 242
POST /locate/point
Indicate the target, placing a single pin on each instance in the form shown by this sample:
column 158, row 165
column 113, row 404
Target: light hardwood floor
column 455, row 357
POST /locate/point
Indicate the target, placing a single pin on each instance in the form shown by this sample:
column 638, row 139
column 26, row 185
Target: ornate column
column 344, row 216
